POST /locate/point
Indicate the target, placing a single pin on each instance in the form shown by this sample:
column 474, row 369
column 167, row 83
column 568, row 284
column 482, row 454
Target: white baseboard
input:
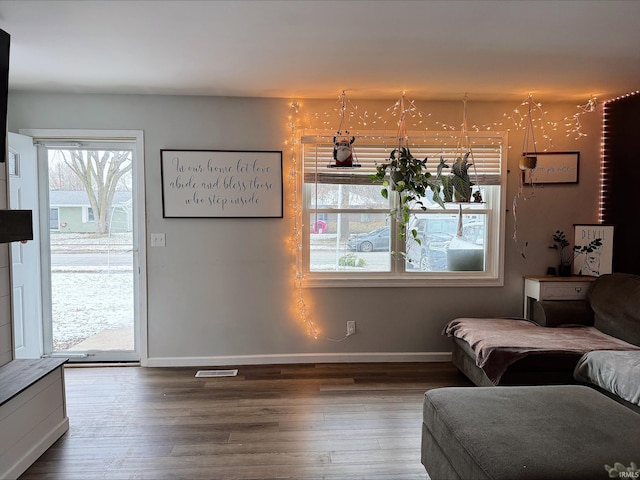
column 374, row 357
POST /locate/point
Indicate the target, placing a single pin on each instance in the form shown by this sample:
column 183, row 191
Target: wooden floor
column 299, row 422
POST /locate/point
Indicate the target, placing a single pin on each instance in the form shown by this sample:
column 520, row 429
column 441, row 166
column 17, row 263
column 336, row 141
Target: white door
column 92, row 294
column 91, row 244
column 25, row 257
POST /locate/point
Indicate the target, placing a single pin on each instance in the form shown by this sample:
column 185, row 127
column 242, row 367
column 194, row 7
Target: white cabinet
column 554, row 288
column 33, row 413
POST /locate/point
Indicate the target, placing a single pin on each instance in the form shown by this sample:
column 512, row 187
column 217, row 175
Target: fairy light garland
column 295, row 183
column 377, row 126
column 516, row 119
column 573, row 124
column 604, row 159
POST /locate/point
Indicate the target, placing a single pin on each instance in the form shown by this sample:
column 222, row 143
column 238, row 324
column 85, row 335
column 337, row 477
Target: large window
column 350, row 238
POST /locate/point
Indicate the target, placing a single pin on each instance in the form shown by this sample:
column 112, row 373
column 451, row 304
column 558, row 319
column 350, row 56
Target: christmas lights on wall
column 354, row 124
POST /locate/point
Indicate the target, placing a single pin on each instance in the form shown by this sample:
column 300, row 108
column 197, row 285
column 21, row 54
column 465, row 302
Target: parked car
column 436, row 234
column 374, row 240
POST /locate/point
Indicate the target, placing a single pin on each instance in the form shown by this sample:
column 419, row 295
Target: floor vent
column 217, row 373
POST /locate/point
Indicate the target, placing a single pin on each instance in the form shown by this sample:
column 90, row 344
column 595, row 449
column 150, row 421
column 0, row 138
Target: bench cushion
column 564, row 431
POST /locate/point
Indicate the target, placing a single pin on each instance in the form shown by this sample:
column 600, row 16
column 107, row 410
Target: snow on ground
column 84, row 304
column 88, row 300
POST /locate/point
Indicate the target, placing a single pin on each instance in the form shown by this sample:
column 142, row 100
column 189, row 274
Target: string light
column 604, row 159
column 295, row 240
column 377, row 126
column 518, row 117
column 630, row 94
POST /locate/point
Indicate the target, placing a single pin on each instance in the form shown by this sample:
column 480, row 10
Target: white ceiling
column 315, row 49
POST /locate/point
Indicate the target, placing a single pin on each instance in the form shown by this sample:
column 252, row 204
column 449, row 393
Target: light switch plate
column 157, row 240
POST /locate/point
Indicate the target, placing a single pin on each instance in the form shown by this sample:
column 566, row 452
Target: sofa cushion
column 615, row 300
column 558, row 313
column 565, row 431
column 616, row 372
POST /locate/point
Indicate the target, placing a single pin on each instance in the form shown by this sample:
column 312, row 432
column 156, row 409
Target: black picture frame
column 221, row 183
column 553, row 167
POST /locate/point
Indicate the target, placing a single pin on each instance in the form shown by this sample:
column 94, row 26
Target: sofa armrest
column 555, row 313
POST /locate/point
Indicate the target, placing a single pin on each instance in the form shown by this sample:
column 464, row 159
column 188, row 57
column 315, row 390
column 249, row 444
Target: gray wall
column 223, row 287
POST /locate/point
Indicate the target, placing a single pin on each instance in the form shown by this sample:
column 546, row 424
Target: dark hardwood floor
column 298, row 422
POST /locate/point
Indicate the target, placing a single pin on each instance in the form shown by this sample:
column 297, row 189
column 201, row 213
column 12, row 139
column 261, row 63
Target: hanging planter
column 457, row 186
column 528, row 162
column 343, row 151
column 406, row 177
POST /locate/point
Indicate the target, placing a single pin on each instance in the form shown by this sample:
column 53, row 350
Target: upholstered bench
column 533, row 432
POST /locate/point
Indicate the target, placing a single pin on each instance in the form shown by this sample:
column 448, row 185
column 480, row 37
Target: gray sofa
column 531, row 432
column 586, row 430
column 561, row 332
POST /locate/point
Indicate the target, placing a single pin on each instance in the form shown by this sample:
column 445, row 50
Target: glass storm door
column 89, row 244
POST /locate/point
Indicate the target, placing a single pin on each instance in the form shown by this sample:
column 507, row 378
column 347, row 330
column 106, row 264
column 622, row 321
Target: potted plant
column 406, row 176
column 457, row 185
column 568, row 255
column 528, row 162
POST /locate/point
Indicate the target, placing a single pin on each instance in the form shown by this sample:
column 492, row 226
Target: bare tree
column 61, row 177
column 100, row 172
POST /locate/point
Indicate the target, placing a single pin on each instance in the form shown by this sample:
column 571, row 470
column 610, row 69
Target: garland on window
column 360, row 121
column 295, row 185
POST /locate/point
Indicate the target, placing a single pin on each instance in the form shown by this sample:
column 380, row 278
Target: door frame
column 140, row 254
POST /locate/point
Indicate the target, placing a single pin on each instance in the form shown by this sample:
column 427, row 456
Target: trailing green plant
column 408, row 177
column 457, row 185
column 568, row 255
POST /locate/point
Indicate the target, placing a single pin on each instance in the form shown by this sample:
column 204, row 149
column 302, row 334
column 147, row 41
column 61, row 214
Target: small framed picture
column 553, row 167
column 594, row 249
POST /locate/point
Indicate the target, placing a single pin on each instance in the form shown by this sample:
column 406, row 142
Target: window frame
column 399, row 276
column 87, row 215
column 57, row 209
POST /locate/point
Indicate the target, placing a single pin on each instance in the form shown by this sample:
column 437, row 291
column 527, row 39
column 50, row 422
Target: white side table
column 554, row 288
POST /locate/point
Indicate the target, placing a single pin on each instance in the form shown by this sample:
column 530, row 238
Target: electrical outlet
column 351, row 327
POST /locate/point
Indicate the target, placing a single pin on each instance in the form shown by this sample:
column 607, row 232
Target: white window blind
column 370, row 152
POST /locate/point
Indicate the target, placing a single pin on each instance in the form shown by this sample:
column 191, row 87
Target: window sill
column 481, row 279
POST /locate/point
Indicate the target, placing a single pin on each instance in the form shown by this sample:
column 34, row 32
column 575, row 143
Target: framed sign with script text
column 221, row 183
column 553, row 167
